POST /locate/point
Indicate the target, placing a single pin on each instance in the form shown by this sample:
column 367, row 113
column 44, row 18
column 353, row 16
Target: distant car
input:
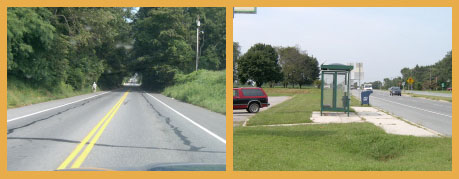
column 367, row 87
column 251, row 99
column 450, row 89
column 395, row 91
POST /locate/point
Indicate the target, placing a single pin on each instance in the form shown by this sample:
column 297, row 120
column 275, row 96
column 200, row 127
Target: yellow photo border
column 229, row 78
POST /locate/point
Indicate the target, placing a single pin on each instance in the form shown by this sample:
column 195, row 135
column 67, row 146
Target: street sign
column 403, row 83
column 442, row 85
column 410, row 80
column 245, row 10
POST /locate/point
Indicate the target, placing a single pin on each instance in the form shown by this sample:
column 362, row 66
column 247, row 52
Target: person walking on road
column 94, row 87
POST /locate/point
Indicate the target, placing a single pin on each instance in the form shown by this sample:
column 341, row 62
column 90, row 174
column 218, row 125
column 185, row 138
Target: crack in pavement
column 176, row 130
column 106, row 145
column 10, row 131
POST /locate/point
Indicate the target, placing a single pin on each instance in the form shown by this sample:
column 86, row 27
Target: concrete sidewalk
column 393, row 125
column 388, row 123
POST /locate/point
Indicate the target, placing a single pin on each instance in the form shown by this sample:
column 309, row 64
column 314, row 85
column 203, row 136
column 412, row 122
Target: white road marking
column 192, row 122
column 413, row 107
column 53, row 108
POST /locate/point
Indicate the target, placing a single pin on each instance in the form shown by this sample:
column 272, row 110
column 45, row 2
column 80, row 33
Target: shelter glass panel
column 328, row 90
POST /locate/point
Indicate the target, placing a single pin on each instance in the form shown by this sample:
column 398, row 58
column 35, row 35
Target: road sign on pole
column 410, row 80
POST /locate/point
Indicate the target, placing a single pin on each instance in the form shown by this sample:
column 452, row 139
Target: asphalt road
column 125, row 128
column 435, row 115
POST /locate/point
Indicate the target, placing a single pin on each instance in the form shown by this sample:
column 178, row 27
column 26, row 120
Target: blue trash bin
column 365, row 97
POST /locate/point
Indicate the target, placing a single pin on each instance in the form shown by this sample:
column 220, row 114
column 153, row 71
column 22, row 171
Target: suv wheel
column 253, row 108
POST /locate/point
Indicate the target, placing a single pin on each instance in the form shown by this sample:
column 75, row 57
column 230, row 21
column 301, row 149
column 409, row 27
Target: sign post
column 410, row 81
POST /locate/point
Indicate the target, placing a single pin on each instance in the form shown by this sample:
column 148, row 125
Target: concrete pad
column 334, row 117
column 391, row 124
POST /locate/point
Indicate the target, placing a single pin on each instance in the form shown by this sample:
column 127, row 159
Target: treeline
column 166, row 42
column 52, row 47
column 428, row 77
column 263, row 63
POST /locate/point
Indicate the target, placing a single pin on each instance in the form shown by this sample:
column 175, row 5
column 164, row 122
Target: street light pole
column 198, row 23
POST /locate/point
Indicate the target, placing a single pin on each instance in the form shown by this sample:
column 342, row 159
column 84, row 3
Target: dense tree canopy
column 77, row 46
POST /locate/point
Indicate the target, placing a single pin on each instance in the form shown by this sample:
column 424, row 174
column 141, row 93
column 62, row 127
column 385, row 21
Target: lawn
column 287, row 91
column 296, row 110
column 331, row 147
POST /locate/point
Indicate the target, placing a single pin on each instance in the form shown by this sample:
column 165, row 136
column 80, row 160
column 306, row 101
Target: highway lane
column 130, row 128
column 435, row 115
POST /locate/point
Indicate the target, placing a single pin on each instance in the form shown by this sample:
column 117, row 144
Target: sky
column 384, row 39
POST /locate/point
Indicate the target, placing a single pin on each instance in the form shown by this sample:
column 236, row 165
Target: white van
column 367, row 87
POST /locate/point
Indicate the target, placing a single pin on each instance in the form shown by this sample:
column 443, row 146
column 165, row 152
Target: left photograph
column 112, row 88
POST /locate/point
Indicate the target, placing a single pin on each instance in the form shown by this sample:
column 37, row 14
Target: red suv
column 251, row 99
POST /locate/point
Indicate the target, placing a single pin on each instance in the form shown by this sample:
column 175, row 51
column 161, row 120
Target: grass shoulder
column 23, row 94
column 438, row 98
column 202, row 88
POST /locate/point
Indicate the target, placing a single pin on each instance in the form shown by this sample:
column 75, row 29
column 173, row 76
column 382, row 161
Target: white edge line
column 413, row 107
column 53, row 108
column 192, row 122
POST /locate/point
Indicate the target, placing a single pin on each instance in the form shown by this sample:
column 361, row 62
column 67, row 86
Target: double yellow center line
column 99, row 128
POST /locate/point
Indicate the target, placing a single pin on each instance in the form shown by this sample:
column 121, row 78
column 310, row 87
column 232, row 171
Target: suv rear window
column 252, row 92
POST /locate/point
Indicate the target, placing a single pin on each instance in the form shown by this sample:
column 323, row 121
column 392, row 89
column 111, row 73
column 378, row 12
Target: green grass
column 450, row 99
column 296, row 110
column 337, row 147
column 202, row 88
column 285, row 91
column 432, row 91
column 22, row 94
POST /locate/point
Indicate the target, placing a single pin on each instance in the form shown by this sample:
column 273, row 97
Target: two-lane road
column 435, row 115
column 125, row 128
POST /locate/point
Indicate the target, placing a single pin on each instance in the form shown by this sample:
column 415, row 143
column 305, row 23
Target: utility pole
column 430, row 83
column 198, row 23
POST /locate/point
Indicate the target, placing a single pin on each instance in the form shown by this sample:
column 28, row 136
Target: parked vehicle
column 450, row 89
column 395, row 91
column 251, row 99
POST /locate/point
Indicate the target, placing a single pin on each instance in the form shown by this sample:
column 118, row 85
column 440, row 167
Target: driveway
column 239, row 116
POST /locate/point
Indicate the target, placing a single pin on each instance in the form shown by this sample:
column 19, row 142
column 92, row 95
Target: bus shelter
column 335, row 82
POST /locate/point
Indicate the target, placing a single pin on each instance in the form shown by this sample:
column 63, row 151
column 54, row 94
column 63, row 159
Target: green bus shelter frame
column 335, row 69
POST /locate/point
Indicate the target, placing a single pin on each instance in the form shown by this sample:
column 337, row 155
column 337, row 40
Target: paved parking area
column 240, row 116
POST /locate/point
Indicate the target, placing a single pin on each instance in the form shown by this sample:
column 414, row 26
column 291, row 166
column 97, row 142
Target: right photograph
column 342, row 88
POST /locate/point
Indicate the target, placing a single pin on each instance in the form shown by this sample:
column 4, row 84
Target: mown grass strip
column 337, row 147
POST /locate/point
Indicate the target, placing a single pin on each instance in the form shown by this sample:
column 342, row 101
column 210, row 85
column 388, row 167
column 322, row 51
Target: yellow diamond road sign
column 410, row 80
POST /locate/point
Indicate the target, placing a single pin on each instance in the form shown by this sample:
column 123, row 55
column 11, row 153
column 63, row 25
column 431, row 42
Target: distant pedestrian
column 94, row 87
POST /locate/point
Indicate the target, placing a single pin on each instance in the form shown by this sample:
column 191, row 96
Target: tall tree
column 298, row 67
column 259, row 64
column 236, row 55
